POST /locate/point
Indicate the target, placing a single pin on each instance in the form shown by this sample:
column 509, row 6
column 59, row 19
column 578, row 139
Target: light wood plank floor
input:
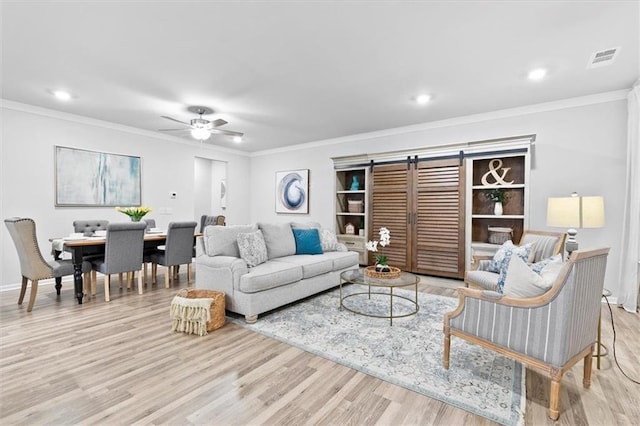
column 119, row 363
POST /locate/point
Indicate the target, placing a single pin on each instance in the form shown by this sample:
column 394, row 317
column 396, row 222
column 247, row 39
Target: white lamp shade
column 563, row 212
column 592, row 212
column 575, row 212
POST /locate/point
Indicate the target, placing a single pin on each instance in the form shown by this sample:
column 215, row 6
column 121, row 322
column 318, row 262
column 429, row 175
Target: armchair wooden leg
column 32, row 296
column 188, row 273
column 588, row 365
column 447, row 346
column 154, row 273
column 167, row 275
column 23, row 290
column 554, row 395
column 107, row 282
column 120, row 279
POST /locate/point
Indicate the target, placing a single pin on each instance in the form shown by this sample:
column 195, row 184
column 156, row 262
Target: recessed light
column 537, row 74
column 423, row 99
column 62, row 95
column 237, row 139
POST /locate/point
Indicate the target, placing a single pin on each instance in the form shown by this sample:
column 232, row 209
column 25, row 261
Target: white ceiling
column 293, row 72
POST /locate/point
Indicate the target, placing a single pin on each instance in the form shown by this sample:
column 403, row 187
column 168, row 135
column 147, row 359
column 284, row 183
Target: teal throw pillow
column 307, row 241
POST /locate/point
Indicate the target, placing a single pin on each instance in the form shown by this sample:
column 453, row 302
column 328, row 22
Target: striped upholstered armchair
column 545, row 244
column 550, row 332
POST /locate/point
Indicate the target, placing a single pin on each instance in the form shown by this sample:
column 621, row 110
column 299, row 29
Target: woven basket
column 217, row 305
column 498, row 235
column 371, row 272
column 355, row 206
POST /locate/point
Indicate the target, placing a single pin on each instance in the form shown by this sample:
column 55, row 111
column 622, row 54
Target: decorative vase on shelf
column 497, row 208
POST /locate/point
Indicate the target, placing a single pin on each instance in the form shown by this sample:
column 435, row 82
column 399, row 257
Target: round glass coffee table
column 357, row 276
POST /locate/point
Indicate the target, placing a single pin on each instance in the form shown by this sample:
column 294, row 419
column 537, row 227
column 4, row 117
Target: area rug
column 407, row 354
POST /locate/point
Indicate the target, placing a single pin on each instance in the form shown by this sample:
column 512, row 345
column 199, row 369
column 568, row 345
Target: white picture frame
column 292, row 191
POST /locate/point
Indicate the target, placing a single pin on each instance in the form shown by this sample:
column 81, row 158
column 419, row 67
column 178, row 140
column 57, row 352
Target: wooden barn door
column 438, row 219
column 422, row 204
column 390, row 202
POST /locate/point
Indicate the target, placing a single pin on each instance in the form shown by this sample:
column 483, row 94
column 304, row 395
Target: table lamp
column 575, row 212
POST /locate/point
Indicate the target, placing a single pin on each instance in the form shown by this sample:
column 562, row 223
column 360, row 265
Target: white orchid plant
column 385, row 240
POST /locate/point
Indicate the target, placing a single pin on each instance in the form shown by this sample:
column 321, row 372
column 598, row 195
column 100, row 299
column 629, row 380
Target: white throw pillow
column 328, row 240
column 252, row 247
column 522, row 281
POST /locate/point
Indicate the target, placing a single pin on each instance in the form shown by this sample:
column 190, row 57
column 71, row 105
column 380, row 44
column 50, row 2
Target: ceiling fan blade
column 177, row 121
column 218, row 122
column 225, row 132
column 171, row 130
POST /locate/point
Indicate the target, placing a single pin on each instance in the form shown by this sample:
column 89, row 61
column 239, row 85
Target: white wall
column 578, row 148
column 29, row 135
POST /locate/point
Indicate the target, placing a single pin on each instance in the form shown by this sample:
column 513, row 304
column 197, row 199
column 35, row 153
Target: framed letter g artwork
column 292, row 191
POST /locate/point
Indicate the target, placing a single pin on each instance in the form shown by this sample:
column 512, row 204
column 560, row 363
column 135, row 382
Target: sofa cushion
column 279, row 239
column 268, row 275
column 312, row 265
column 485, row 279
column 307, row 241
column 223, row 240
column 342, row 259
column 252, row 248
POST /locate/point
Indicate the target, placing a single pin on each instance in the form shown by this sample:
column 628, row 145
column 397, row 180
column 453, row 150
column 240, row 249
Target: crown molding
column 580, row 101
column 32, row 109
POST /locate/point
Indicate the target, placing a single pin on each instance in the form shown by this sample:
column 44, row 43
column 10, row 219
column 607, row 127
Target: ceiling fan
column 201, row 128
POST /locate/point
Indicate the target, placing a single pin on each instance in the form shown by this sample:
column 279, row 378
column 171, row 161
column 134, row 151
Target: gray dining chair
column 123, row 252
column 151, row 223
column 178, row 251
column 32, row 265
column 206, row 220
column 88, row 227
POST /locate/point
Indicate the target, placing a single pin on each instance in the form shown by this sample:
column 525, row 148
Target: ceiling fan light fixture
column 200, row 134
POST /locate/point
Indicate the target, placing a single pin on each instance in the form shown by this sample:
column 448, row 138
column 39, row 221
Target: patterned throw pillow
column 502, row 256
column 252, row 247
column 500, row 262
column 328, row 240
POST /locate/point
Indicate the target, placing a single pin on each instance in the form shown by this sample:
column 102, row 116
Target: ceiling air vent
column 602, row 58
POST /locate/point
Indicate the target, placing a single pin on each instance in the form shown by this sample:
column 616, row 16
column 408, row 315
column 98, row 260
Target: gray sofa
column 283, row 278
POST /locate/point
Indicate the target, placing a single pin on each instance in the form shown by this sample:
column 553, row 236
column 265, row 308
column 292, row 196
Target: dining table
column 85, row 247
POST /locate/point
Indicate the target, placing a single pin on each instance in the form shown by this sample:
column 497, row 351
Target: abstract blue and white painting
column 90, row 178
column 292, row 191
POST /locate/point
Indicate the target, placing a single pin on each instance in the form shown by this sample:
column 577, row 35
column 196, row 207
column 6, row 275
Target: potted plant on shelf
column 498, row 196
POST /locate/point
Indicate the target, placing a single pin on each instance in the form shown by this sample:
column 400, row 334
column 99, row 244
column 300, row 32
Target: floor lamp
column 575, row 212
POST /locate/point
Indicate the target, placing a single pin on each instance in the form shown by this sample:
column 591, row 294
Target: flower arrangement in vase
column 135, row 213
column 382, row 264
